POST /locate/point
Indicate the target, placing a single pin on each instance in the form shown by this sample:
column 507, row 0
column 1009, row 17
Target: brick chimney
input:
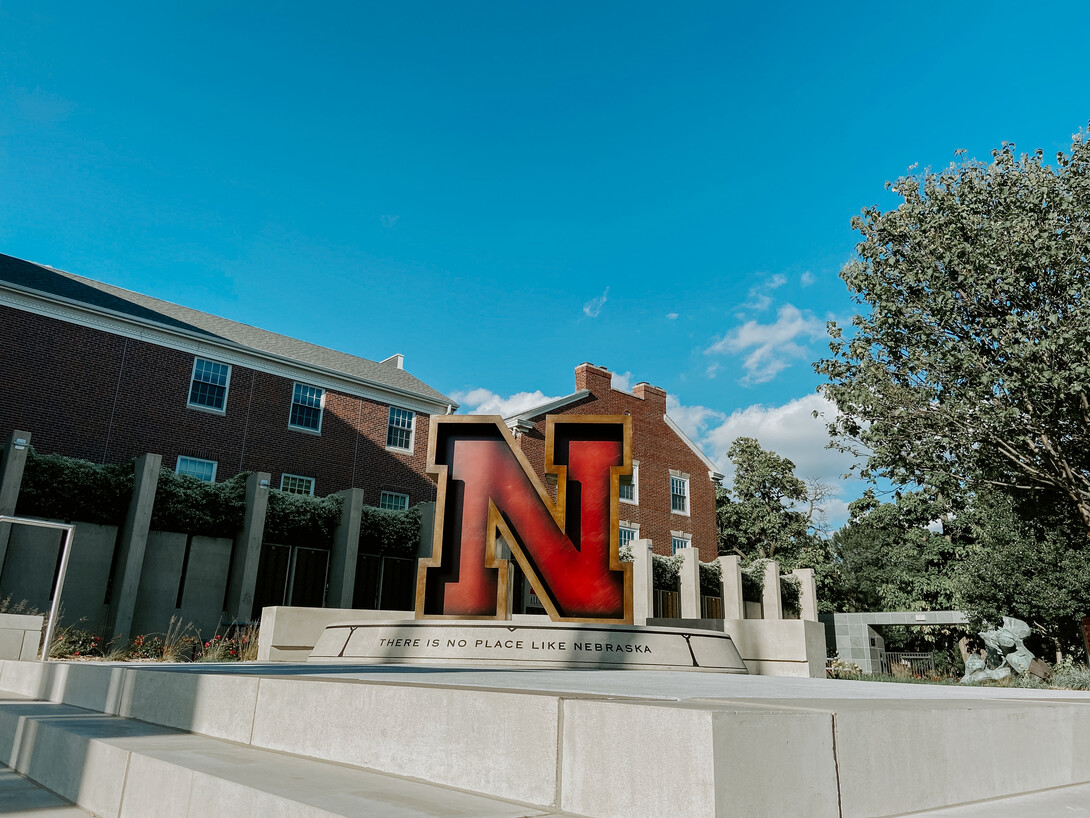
column 652, row 394
column 595, row 378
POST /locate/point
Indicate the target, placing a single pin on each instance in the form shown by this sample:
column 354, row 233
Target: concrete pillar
column 690, row 583
column 11, row 479
column 346, row 547
column 733, row 605
column 771, row 597
column 246, row 553
column 807, row 594
column 132, row 542
column 643, row 582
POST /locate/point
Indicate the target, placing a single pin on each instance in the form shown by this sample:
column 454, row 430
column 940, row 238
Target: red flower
column 76, row 653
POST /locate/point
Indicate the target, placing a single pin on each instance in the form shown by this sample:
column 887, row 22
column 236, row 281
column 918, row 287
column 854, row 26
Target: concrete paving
column 658, row 684
column 506, row 742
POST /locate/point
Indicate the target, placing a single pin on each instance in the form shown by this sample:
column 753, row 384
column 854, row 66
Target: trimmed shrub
column 390, row 533
column 711, row 579
column 791, row 595
column 191, row 506
column 299, row 519
column 666, row 573
column 70, row 489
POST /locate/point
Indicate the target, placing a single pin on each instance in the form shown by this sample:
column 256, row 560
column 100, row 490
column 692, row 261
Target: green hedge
column 711, row 579
column 390, row 533
column 666, row 573
column 190, row 506
column 791, row 595
column 69, row 489
column 299, row 519
column 753, row 583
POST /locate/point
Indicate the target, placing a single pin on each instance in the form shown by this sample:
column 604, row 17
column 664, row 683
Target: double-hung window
column 208, row 385
column 399, row 430
column 196, row 467
column 679, row 494
column 630, row 485
column 306, row 407
column 296, row 484
column 392, row 501
column 627, row 535
column 679, row 540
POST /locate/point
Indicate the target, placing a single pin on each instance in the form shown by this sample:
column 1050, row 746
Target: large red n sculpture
column 488, row 497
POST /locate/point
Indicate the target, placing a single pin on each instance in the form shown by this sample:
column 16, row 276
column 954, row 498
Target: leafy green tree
column 757, row 516
column 888, row 559
column 969, row 363
column 1027, row 558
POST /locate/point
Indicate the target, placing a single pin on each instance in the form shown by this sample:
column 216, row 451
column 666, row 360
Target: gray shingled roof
column 99, row 296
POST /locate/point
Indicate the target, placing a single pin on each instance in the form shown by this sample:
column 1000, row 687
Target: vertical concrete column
column 771, row 598
column 643, row 583
column 733, row 605
column 246, row 553
column 346, row 548
column 807, row 594
column 11, row 479
column 690, row 583
column 131, row 545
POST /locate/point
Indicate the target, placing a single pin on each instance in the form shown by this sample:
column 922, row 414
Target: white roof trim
column 713, row 472
column 545, row 408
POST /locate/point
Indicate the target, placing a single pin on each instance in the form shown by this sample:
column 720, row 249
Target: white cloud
column 593, row 308
column 486, row 402
column 773, row 346
column 671, row 316
column 622, row 382
column 790, row 430
column 807, row 278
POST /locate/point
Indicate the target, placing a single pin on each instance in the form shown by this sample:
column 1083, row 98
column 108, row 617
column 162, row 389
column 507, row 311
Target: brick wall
column 87, row 393
column 657, row 448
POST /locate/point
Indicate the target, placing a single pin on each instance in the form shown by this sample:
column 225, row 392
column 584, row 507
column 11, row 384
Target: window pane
column 628, row 491
column 306, row 407
column 392, row 501
column 400, row 429
column 679, row 494
column 195, row 467
column 678, row 542
column 294, row 484
column 627, row 535
column 209, row 385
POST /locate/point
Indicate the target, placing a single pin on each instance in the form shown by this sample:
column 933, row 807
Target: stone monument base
column 517, row 644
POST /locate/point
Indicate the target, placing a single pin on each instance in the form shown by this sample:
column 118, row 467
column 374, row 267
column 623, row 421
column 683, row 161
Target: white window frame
column 321, row 408
column 412, row 430
column 678, row 540
column 200, row 407
column 286, row 476
column 635, row 501
column 676, row 475
column 383, row 495
column 200, row 460
column 625, row 525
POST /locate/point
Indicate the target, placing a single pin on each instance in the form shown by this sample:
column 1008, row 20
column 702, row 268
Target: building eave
column 104, row 319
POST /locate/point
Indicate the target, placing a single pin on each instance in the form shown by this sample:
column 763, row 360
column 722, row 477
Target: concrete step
column 115, row 766
column 22, row 798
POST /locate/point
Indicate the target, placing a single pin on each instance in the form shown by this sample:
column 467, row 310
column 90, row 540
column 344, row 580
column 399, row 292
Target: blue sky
column 501, row 191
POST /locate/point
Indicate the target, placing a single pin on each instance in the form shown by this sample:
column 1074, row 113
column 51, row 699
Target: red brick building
column 105, row 374
column 671, row 497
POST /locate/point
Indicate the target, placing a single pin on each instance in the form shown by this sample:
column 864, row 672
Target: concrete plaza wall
column 848, row 754
column 20, row 636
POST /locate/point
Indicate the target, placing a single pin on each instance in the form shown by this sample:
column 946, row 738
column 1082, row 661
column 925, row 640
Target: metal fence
column 909, row 664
